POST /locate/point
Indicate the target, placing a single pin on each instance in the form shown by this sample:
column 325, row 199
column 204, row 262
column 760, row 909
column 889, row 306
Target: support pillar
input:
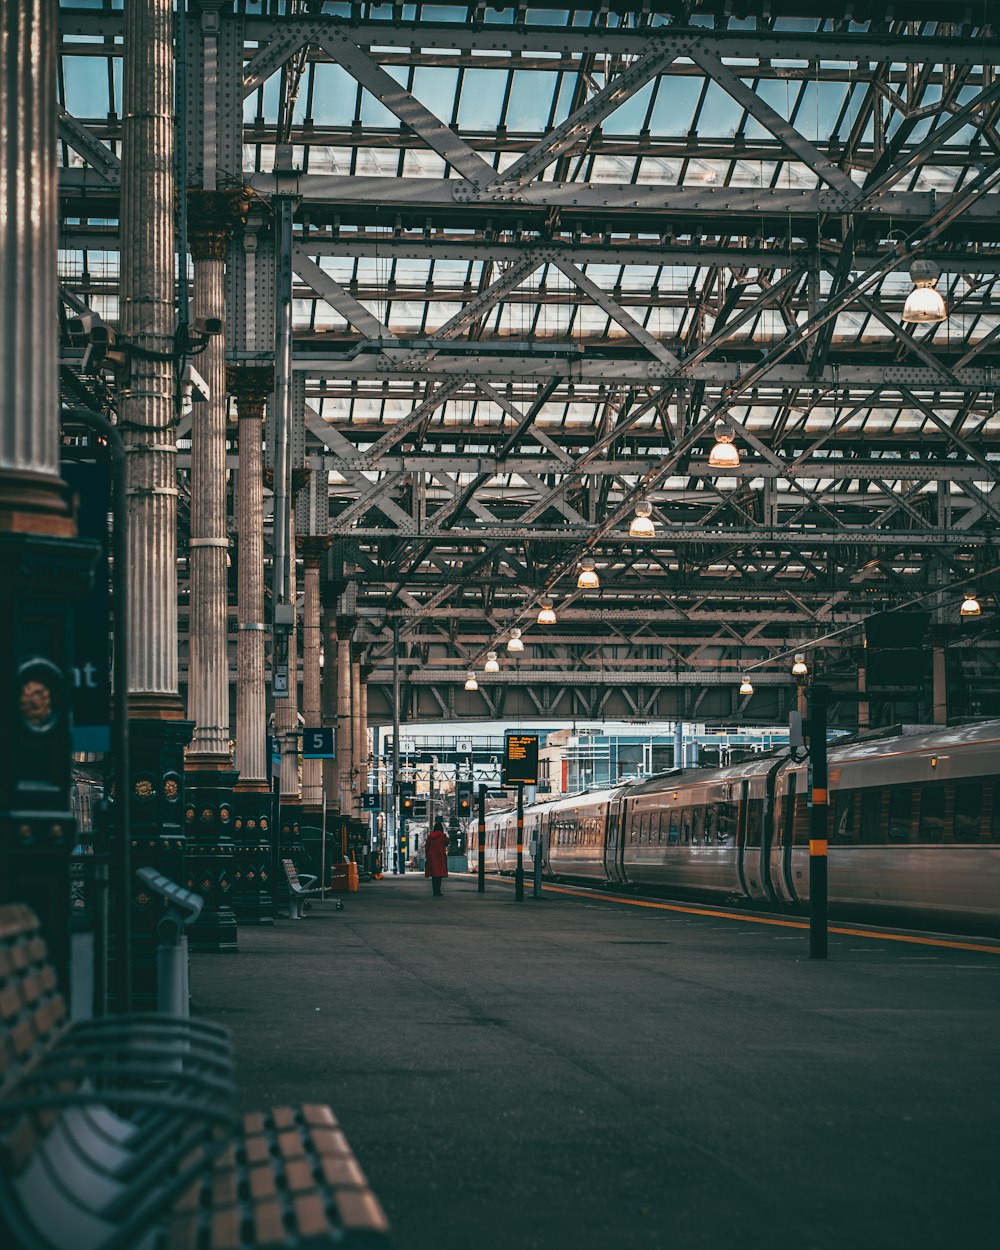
column 251, row 385
column 345, row 733
column 210, row 777
column 286, row 728
column 939, row 684
column 43, row 566
column 328, row 692
column 313, row 547
column 147, row 410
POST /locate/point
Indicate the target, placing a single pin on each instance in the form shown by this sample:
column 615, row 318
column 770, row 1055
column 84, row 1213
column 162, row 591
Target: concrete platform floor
column 576, row 1073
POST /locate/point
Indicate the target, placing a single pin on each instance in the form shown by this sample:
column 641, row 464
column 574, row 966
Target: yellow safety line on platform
column 768, row 920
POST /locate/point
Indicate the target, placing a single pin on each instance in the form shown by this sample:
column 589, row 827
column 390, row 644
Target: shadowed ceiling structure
column 537, row 254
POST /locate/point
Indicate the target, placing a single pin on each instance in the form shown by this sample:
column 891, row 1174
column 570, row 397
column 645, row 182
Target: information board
column 520, row 759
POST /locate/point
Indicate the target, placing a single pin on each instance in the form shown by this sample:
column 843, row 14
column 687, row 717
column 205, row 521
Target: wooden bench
column 120, row 1134
column 301, row 891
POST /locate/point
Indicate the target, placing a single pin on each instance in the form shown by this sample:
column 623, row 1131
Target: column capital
column 212, row 218
column 345, row 627
column 250, row 385
column 330, row 592
column 313, row 547
column 300, row 478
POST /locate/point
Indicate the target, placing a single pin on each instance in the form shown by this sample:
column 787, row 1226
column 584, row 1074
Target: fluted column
column 42, row 567
column 251, row 385
column 212, row 215
column 312, row 548
column 345, row 732
column 146, row 391
column 363, row 713
column 328, row 693
column 147, row 409
column 286, row 719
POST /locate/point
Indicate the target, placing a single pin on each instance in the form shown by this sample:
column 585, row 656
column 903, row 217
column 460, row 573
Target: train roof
column 756, row 766
column 924, row 738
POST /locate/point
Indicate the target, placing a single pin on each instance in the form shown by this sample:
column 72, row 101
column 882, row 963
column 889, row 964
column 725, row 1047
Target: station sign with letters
column 520, row 759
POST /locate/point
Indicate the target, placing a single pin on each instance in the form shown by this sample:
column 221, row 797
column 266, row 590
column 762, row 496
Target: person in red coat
column 436, row 856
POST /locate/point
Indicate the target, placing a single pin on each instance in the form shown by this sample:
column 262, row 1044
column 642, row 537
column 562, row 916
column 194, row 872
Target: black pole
column 121, row 868
column 481, row 886
column 519, row 874
column 818, row 696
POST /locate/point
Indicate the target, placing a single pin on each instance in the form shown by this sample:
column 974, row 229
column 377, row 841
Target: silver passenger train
column 914, row 829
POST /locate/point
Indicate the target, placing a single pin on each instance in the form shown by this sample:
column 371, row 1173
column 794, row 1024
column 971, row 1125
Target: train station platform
column 576, row 1072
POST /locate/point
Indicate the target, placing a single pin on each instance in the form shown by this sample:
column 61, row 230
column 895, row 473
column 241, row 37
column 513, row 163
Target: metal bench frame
column 120, row 1133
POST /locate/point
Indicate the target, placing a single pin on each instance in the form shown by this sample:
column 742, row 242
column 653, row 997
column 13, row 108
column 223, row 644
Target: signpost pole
column 519, row 874
column 322, row 856
column 481, row 886
column 536, row 876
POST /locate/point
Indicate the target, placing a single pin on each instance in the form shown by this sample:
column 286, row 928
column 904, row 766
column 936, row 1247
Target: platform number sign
column 317, row 744
column 520, row 759
column 371, row 802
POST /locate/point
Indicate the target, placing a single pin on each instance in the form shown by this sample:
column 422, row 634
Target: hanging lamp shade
column 970, row 605
column 546, row 615
column 724, row 455
column 745, row 686
column 588, row 579
column 470, row 682
column 924, row 303
column 491, row 665
column 642, row 524
column 799, row 668
column 514, row 642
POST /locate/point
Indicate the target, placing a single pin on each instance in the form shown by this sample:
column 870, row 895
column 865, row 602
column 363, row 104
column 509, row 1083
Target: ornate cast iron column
column 208, row 809
column 286, row 716
column 42, row 566
column 251, row 385
column 345, row 732
column 313, row 547
column 159, row 732
column 328, row 696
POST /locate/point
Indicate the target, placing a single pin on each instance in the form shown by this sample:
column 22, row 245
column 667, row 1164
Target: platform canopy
column 539, row 255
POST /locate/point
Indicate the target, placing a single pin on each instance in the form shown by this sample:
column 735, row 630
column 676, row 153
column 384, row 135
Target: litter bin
column 344, row 878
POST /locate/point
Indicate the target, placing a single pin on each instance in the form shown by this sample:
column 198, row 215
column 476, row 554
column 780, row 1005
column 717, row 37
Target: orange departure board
column 520, row 759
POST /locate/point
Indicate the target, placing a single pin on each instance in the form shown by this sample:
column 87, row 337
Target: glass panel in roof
column 780, row 94
column 629, row 117
column 420, row 164
column 821, row 104
column 374, row 112
column 334, row 93
column 530, row 100
column 720, row 114
column 676, row 99
column 482, row 98
column 434, row 87
column 86, row 79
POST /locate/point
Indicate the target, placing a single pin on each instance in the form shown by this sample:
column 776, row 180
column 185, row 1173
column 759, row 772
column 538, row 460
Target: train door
column 614, row 840
column 741, row 833
column 788, row 842
column 769, row 834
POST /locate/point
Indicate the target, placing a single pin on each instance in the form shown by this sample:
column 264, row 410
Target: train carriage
column 912, row 824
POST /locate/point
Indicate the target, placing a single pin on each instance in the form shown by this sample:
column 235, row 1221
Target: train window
column 686, row 826
column 843, row 818
column 968, row 805
column 633, row 833
column 697, row 826
column 900, row 813
column 674, row 828
column 871, row 816
column 711, row 823
column 932, row 813
column 755, row 821
column 727, row 824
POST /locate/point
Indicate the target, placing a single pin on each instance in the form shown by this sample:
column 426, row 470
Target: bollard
column 183, row 907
